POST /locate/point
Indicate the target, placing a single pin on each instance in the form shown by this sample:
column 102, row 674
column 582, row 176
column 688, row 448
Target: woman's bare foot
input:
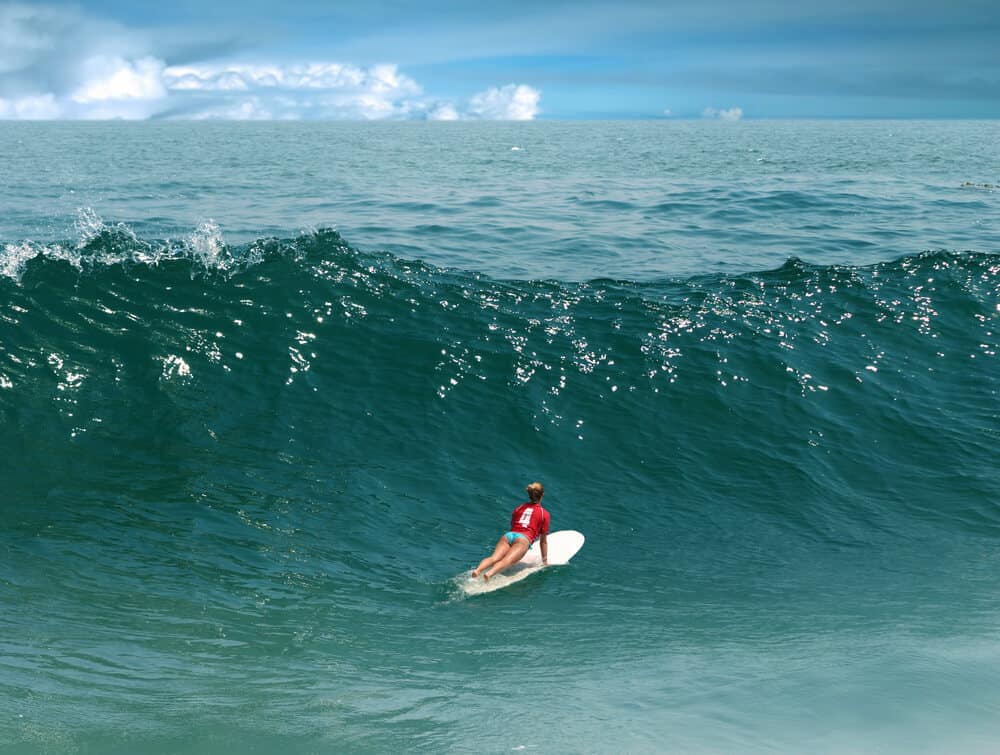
column 475, row 572
column 486, row 576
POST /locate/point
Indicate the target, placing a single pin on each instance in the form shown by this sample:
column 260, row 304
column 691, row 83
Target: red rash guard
column 530, row 519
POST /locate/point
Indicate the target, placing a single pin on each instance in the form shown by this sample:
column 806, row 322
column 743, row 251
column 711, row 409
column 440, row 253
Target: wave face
column 805, row 379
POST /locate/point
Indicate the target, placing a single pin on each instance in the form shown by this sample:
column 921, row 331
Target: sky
column 503, row 60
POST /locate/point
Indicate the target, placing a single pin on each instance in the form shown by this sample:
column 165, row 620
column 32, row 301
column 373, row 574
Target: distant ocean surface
column 268, row 390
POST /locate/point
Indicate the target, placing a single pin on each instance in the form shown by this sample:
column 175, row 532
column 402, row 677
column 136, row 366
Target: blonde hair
column 535, row 491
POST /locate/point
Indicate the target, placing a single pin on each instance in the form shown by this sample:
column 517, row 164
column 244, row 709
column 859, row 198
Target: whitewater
column 267, row 392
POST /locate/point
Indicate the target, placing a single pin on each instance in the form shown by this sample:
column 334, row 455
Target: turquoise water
column 267, row 390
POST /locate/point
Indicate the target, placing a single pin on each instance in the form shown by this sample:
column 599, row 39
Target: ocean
column 268, row 390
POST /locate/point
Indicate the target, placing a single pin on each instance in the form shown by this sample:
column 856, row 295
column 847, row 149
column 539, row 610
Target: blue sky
column 448, row 60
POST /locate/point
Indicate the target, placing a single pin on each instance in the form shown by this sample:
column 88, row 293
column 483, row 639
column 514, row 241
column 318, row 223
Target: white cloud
column 110, row 79
column 57, row 63
column 328, row 91
column 314, row 90
column 513, row 102
column 443, row 111
column 31, row 108
column 380, row 79
column 732, row 114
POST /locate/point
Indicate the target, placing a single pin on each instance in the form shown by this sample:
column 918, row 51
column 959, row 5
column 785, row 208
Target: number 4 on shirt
column 525, row 519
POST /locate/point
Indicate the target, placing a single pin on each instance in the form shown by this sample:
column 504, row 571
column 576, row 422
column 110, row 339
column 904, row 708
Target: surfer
column 528, row 523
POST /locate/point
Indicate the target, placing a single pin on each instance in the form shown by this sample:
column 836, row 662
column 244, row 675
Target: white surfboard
column 563, row 545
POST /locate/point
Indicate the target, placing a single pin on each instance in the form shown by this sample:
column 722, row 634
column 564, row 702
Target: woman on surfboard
column 528, row 523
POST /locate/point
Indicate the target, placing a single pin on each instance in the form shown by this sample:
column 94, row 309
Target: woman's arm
column 544, row 545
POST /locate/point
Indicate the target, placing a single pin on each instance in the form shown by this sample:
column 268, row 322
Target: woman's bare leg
column 498, row 553
column 514, row 554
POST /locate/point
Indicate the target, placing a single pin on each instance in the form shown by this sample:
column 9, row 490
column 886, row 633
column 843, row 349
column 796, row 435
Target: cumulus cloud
column 314, row 90
column 30, row 108
column 118, row 79
column 732, row 114
column 49, row 55
column 443, row 111
column 513, row 102
column 56, row 62
column 379, row 79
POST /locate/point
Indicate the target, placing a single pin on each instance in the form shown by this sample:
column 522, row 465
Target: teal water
column 245, row 456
